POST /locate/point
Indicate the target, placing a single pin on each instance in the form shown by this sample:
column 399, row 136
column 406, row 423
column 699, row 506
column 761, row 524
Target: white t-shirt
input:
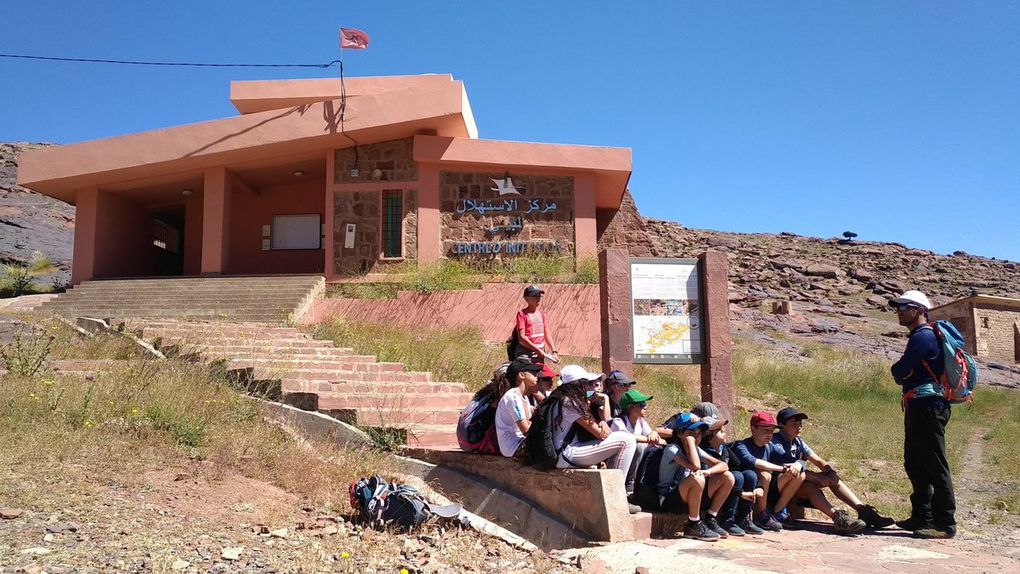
column 512, row 408
column 623, row 424
column 570, row 415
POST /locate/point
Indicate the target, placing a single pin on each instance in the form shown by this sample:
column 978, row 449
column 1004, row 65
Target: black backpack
column 542, row 451
column 511, row 345
column 646, row 487
column 382, row 504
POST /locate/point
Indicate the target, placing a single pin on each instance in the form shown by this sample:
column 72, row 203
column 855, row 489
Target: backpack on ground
column 476, row 427
column 959, row 377
column 382, row 504
column 541, row 449
column 646, row 484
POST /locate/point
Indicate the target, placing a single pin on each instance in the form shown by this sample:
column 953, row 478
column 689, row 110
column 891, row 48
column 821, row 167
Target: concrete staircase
column 264, row 299
column 315, row 375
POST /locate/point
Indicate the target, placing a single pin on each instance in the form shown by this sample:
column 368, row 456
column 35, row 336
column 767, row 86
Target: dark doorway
column 168, row 241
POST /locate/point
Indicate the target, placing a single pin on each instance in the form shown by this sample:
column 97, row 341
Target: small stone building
column 294, row 185
column 990, row 325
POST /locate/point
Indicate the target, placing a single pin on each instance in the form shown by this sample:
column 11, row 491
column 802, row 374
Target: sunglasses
column 904, row 306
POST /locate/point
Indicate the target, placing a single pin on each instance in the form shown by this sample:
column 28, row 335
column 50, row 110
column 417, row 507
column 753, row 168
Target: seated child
column 779, row 481
column 682, row 479
column 633, row 406
column 735, row 514
column 791, row 448
column 617, row 383
column 616, row 449
column 513, row 412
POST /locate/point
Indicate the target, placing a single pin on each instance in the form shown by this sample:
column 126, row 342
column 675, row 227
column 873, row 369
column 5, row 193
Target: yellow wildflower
column 88, row 424
column 345, row 555
column 404, row 571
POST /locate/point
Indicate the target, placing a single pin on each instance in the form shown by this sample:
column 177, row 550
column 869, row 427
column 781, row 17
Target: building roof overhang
column 985, row 300
column 437, row 105
column 610, row 166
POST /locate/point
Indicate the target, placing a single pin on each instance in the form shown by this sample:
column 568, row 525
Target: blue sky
column 897, row 120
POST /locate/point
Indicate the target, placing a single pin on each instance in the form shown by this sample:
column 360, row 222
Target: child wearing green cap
column 633, row 406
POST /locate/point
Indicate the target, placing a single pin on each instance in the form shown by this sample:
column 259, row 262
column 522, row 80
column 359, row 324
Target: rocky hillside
column 837, row 290
column 31, row 222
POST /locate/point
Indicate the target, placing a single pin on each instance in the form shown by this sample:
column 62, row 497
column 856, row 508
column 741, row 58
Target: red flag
column 351, row 39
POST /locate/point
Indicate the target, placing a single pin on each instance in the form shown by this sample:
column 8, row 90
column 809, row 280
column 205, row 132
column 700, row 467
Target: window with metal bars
column 393, row 218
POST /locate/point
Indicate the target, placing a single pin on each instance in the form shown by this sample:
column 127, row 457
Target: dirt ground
column 177, row 520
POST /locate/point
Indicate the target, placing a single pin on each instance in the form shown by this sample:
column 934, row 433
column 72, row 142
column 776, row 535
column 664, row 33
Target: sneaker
column 872, row 518
column 914, row 524
column 748, row 526
column 699, row 531
column 633, row 508
column 765, row 520
column 934, row 533
column 783, row 515
column 846, row 524
column 733, row 530
column 712, row 523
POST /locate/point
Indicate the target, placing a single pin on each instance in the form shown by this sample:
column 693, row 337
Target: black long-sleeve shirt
column 922, row 346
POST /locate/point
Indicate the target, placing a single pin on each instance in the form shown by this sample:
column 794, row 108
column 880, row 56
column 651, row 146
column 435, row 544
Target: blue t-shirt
column 747, row 453
column 671, row 473
column 787, row 452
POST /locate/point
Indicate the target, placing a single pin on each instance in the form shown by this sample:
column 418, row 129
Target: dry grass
column 163, row 413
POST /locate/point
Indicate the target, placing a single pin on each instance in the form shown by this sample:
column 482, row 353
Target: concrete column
column 86, row 212
column 215, row 221
column 717, row 369
column 614, row 303
column 430, row 243
column 328, row 238
column 585, row 227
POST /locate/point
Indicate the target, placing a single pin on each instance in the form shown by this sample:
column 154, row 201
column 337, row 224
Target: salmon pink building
column 291, row 185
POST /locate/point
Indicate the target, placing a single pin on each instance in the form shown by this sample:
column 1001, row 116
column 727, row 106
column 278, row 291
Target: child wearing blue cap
column 683, row 479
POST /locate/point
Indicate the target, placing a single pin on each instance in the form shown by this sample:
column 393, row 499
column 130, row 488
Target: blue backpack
column 961, row 372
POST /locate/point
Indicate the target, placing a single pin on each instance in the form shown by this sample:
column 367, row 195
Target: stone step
column 408, row 400
column 326, row 386
column 244, row 342
column 328, row 380
column 406, row 418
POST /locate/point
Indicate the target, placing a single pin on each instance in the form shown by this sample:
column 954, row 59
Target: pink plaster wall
column 193, row 236
column 249, row 212
column 123, row 238
column 572, row 310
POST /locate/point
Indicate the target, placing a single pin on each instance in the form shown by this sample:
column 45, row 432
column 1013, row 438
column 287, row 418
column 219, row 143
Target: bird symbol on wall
column 504, row 186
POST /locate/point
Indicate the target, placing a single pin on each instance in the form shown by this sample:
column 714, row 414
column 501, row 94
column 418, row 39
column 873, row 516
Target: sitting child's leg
column 788, row 485
column 690, row 491
column 718, row 489
column 840, row 518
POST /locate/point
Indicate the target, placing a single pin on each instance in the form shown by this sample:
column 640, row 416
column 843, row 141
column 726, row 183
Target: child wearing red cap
column 780, row 481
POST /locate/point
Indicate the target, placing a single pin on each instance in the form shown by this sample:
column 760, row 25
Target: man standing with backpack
column 926, row 413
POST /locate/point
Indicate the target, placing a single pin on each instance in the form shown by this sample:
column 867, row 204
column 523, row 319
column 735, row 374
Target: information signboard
column 666, row 311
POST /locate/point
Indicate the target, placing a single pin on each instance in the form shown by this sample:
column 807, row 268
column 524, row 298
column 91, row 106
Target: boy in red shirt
column 533, row 337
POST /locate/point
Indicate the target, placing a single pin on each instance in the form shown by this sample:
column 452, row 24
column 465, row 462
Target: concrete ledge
column 489, row 501
column 318, row 426
column 594, row 502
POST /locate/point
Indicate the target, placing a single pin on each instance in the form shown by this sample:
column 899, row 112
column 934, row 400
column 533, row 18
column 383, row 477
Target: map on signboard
column 666, row 311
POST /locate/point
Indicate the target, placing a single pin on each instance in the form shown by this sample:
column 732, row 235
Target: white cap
column 913, row 296
column 572, row 373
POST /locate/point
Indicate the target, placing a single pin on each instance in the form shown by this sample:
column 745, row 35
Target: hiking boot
column 748, row 526
column 633, row 508
column 846, row 524
column 914, row 524
column 765, row 520
column 784, row 518
column 934, row 533
column 712, row 523
column 872, row 518
column 733, row 530
column 699, row 531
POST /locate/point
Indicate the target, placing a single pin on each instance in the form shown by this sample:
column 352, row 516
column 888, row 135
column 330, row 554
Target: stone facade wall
column 394, row 160
column 362, row 209
column 411, row 224
column 997, row 332
column 472, row 214
column 624, row 228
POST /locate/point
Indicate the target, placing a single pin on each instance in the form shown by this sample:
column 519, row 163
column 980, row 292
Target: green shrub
column 25, row 357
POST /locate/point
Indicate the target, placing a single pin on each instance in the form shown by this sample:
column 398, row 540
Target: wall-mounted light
column 377, row 174
column 299, row 173
column 187, row 192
